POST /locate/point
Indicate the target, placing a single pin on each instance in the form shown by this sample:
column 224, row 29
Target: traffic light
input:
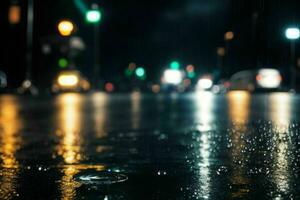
column 65, row 27
column 93, row 16
column 190, row 71
column 63, row 63
column 175, row 65
column 140, row 73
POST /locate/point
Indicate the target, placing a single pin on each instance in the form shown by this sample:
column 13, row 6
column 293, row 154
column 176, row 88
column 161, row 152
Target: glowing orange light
column 14, row 14
column 65, row 27
column 229, row 35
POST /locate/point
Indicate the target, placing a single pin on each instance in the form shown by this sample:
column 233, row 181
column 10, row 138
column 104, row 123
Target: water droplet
column 222, row 170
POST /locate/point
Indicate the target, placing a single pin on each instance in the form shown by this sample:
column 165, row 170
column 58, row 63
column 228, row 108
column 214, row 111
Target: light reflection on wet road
column 191, row 146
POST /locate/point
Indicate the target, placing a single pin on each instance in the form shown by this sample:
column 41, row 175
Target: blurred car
column 70, row 81
column 204, row 83
column 256, row 80
column 172, row 81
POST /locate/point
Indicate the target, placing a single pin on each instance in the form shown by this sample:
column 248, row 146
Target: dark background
column 153, row 33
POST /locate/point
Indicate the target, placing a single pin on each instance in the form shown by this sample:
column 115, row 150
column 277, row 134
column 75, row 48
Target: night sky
column 153, row 33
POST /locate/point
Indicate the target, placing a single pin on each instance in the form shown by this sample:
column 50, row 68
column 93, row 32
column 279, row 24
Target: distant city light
column 14, row 14
column 109, row 87
column 172, row 76
column 190, row 68
column 221, row 51
column 175, row 65
column 228, row 36
column 132, row 66
column 155, row 88
column 140, row 72
column 292, row 33
column 63, row 63
column 65, row 27
column 93, row 16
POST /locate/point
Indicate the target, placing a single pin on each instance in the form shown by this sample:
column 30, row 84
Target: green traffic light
column 191, row 74
column 175, row 65
column 63, row 63
column 93, row 16
column 140, row 72
column 128, row 72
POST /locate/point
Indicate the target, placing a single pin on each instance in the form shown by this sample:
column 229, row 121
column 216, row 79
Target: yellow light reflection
column 70, row 127
column 69, row 131
column 280, row 115
column 239, row 102
column 280, row 110
column 239, row 110
column 10, row 142
column 204, row 102
column 100, row 103
column 135, row 109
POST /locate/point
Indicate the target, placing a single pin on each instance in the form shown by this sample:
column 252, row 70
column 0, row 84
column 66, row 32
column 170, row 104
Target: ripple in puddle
column 93, row 177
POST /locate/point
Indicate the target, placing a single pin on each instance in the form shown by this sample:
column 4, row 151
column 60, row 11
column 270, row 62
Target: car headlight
column 68, row 80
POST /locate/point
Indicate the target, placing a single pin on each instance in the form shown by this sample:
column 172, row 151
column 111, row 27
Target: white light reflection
column 10, row 141
column 280, row 115
column 204, row 102
column 135, row 109
column 204, row 165
column 239, row 110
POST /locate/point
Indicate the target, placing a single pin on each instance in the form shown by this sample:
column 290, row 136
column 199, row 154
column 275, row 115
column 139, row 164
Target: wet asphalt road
column 141, row 146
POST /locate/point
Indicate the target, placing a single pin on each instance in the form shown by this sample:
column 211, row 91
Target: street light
column 292, row 34
column 175, row 65
column 65, row 27
column 93, row 16
column 27, row 85
column 14, row 14
column 229, row 35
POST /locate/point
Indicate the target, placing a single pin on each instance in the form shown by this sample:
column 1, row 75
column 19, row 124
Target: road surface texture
column 145, row 146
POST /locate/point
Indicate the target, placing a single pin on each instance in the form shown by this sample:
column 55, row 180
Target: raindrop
column 161, row 173
column 222, row 170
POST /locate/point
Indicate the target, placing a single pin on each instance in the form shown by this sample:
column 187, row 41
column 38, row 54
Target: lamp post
column 221, row 52
column 93, row 16
column 292, row 34
column 27, row 85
